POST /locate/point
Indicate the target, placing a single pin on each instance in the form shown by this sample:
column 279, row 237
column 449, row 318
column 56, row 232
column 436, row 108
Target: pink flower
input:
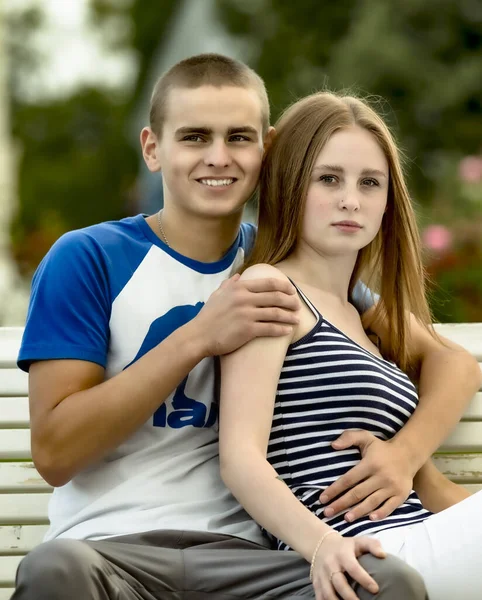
column 437, row 237
column 470, row 169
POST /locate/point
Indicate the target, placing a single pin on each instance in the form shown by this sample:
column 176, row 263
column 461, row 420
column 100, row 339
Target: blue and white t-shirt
column 108, row 294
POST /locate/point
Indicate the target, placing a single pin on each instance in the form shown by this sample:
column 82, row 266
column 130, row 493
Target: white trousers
column 446, row 549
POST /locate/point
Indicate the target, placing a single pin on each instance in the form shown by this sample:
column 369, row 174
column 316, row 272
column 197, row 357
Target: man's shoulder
column 248, row 234
column 104, row 233
column 93, row 242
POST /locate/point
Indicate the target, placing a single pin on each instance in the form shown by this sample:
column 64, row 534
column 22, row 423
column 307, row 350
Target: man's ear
column 268, row 138
column 150, row 149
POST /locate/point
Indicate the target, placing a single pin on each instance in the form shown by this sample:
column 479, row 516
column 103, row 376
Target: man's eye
column 192, row 138
column 238, row 138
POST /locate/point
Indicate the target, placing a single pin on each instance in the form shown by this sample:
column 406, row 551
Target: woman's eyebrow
column 338, row 169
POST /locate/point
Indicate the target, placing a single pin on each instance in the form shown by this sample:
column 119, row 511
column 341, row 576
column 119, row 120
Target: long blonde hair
column 391, row 264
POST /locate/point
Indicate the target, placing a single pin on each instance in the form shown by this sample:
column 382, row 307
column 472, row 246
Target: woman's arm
column 249, row 380
column 435, row 491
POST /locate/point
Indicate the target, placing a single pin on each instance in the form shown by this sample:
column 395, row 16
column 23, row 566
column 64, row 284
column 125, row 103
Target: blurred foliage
column 76, row 164
column 73, row 151
column 423, row 56
column 454, row 264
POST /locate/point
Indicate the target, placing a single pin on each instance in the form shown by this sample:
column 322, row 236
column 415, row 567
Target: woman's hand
column 338, row 556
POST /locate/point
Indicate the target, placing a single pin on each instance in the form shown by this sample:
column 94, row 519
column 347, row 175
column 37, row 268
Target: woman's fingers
column 358, row 574
column 342, row 587
column 364, row 545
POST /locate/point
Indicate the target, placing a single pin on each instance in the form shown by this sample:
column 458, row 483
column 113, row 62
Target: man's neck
column 202, row 239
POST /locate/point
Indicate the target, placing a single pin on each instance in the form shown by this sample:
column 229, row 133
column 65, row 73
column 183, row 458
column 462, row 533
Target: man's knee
column 57, row 569
column 396, row 579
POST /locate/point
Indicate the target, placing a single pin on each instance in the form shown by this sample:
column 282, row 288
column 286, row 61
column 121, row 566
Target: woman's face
column 347, row 195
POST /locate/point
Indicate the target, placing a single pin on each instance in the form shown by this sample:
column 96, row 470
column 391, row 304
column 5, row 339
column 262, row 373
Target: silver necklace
column 164, row 238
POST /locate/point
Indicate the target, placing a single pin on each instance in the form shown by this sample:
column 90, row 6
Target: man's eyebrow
column 338, row 169
column 243, row 129
column 193, row 129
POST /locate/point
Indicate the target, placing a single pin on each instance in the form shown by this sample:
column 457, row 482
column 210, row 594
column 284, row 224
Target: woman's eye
column 328, row 179
column 370, row 182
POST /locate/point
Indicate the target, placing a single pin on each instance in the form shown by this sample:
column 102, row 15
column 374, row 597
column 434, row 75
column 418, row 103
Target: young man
column 124, row 320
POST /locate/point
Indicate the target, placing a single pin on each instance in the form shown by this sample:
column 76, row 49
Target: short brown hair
column 205, row 69
column 392, row 261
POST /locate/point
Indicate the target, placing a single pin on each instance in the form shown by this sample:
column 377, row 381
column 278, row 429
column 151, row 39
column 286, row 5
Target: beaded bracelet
column 318, row 546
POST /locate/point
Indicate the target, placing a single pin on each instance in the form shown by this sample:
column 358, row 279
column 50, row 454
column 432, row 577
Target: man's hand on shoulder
column 379, row 484
column 260, row 303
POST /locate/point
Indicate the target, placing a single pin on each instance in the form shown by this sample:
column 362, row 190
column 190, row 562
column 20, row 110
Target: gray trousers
column 182, row 565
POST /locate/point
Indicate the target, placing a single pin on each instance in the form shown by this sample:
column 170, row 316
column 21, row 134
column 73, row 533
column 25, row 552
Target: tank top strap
column 307, row 301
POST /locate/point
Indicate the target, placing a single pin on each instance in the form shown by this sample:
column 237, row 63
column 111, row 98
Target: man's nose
column 218, row 155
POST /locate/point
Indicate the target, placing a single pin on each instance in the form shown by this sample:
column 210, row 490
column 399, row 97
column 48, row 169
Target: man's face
column 211, row 149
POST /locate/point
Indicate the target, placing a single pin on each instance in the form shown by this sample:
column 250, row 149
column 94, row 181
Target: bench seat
column 24, row 495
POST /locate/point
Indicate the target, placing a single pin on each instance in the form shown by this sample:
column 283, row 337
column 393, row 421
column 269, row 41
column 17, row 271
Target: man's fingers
column 281, row 299
column 275, row 315
column 271, row 330
column 270, row 284
column 387, row 508
column 353, row 438
column 352, row 498
column 371, row 503
column 345, row 482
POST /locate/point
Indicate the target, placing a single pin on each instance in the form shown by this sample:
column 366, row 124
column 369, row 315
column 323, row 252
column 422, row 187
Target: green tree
column 424, row 57
column 77, row 166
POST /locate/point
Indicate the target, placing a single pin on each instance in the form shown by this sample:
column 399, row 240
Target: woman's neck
column 331, row 274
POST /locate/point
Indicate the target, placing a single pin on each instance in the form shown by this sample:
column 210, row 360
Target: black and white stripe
column 329, row 384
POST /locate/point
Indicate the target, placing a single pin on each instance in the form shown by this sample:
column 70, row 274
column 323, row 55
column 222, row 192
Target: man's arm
column 435, row 491
column 449, row 378
column 77, row 417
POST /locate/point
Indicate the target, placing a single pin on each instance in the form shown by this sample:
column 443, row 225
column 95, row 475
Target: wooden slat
column 6, row 593
column 10, row 338
column 14, row 444
column 474, row 411
column 24, row 509
column 468, row 335
column 461, row 468
column 21, row 477
column 14, row 412
column 13, row 382
column 473, row 487
column 20, row 539
column 467, row 437
column 8, row 568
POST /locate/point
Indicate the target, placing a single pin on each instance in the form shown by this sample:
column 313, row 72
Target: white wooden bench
column 24, row 495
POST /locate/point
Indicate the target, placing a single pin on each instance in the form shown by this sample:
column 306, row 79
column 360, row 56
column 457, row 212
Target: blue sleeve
column 69, row 311
column 363, row 298
column 249, row 235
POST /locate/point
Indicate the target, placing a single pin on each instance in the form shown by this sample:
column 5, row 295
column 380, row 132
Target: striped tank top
column 330, row 384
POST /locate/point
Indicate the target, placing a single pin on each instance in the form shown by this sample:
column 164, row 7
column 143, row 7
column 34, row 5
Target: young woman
column 334, row 208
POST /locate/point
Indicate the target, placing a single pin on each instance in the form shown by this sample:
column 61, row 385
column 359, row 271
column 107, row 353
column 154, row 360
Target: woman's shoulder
column 263, row 271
